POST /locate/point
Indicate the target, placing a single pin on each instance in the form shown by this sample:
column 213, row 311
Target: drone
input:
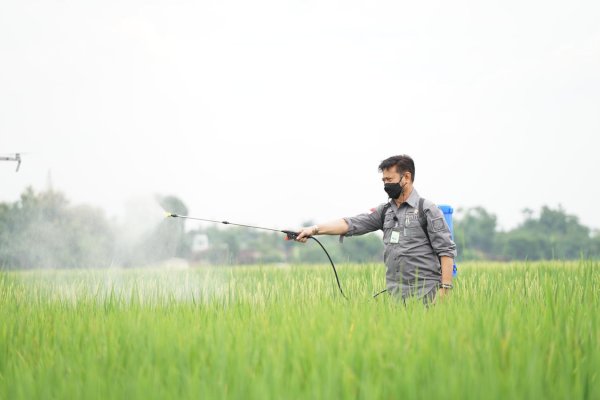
column 16, row 157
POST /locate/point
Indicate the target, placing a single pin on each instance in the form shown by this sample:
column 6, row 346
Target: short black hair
column 403, row 163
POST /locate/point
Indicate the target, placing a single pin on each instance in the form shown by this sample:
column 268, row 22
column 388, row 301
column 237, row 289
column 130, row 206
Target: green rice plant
column 520, row 330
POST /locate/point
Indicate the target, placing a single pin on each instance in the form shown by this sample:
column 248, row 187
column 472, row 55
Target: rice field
column 508, row 331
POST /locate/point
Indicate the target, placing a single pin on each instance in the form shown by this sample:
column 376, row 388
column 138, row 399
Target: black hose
column 332, row 266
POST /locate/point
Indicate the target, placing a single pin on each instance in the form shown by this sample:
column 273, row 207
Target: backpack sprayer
column 290, row 235
column 448, row 211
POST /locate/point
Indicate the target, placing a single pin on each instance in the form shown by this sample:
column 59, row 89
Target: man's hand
column 443, row 294
column 306, row 233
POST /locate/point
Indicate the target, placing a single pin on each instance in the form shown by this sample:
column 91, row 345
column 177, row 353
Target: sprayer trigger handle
column 290, row 235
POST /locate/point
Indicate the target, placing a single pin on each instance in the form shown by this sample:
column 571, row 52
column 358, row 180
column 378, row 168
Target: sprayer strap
column 424, row 219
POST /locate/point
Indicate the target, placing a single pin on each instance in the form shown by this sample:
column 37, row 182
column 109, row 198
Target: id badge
column 395, row 238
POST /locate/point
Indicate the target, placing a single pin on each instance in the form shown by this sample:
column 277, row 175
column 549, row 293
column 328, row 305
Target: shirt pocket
column 414, row 229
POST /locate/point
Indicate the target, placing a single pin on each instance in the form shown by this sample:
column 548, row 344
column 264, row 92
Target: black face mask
column 394, row 190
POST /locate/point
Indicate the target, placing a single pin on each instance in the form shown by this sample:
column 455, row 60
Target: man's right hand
column 306, row 233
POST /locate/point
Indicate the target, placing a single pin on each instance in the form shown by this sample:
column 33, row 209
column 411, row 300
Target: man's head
column 398, row 175
column 402, row 165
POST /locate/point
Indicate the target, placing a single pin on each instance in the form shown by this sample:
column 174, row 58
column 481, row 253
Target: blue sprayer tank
column 448, row 210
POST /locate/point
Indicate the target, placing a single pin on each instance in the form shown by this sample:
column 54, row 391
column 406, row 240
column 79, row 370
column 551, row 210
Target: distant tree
column 553, row 235
column 362, row 249
column 42, row 230
column 521, row 245
column 475, row 233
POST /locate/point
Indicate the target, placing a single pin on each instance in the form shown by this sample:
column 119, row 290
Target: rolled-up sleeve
column 365, row 223
column 439, row 232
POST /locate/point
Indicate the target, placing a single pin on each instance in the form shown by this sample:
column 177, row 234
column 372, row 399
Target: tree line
column 44, row 230
column 553, row 234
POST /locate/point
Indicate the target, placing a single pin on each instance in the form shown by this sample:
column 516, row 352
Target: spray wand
column 290, row 235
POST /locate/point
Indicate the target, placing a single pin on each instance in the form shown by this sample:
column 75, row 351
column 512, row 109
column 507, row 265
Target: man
column 419, row 251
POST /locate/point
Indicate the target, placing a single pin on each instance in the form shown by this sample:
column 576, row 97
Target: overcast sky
column 276, row 112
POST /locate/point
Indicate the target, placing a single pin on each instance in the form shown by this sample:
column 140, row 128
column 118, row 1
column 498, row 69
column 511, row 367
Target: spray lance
column 290, row 235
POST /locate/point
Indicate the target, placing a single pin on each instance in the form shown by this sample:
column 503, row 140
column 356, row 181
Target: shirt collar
column 413, row 200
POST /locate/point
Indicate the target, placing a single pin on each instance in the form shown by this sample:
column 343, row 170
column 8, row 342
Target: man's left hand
column 443, row 293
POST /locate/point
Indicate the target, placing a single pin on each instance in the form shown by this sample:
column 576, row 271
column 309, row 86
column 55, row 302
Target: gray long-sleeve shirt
column 412, row 261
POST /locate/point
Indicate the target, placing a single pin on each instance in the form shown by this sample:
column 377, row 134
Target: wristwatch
column 446, row 286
